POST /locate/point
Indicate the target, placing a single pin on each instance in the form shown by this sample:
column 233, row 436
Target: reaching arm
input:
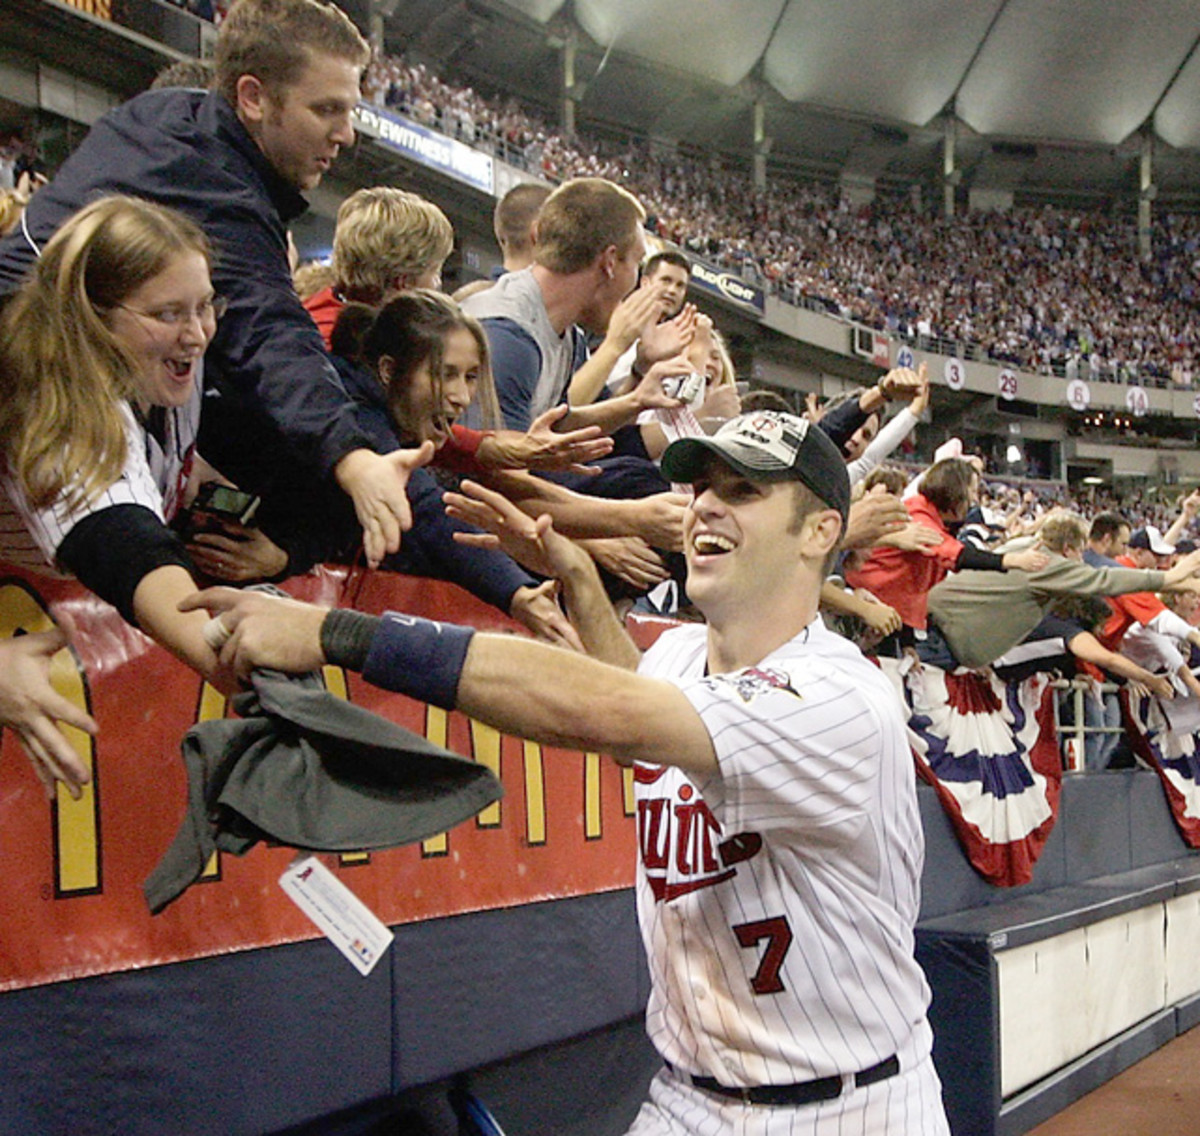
column 31, row 706
column 520, row 687
column 1087, row 647
column 657, row 519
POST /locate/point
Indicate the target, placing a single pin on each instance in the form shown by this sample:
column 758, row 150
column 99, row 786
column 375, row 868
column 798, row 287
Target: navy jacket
column 313, row 521
column 270, row 388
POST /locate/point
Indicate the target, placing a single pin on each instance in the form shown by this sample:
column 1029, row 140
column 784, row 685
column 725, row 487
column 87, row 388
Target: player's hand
column 376, row 484
column 543, row 448
column 237, row 554
column 33, row 708
column 538, row 610
column 252, row 629
column 629, row 558
column 533, row 543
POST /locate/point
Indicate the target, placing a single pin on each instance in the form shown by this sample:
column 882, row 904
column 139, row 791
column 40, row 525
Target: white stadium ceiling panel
column 1087, row 70
column 540, row 10
column 896, row 61
column 1177, row 120
column 719, row 40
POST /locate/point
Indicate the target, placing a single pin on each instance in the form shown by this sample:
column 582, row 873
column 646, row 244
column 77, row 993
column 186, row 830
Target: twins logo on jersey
column 753, row 681
column 682, row 843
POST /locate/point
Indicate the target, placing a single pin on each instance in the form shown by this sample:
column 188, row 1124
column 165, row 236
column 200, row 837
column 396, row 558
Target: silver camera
column 689, row 389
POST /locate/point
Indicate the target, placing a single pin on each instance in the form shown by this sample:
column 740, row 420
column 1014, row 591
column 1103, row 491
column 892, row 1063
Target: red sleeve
column 459, row 453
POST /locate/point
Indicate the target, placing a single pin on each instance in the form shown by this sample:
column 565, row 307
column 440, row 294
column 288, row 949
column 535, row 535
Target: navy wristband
column 418, row 657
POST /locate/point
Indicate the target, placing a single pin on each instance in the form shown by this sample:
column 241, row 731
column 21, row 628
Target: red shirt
column 1135, row 607
column 903, row 579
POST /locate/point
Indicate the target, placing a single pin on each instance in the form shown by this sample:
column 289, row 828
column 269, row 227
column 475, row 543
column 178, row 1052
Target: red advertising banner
column 71, row 872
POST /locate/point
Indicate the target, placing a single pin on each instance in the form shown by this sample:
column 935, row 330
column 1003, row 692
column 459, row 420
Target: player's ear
column 821, row 534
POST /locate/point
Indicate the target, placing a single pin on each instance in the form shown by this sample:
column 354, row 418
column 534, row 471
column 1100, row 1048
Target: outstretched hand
column 532, row 543
column 34, row 709
column 542, row 447
column 377, row 485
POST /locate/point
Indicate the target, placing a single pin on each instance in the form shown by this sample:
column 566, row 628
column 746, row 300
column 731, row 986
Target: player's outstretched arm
column 523, row 688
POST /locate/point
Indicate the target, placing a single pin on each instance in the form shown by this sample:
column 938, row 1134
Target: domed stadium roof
column 1048, row 94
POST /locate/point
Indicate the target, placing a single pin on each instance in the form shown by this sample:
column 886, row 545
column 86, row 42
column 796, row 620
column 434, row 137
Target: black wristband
column 346, row 637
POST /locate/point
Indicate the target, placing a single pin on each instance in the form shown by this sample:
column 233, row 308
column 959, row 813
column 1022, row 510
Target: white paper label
column 343, row 918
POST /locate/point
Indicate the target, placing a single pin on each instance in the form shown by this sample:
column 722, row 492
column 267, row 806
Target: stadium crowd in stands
column 1044, row 289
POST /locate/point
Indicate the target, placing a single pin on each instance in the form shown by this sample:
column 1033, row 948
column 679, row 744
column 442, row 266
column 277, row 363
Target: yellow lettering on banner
column 212, row 709
column 437, row 731
column 76, row 823
column 535, row 794
column 591, row 796
column 485, row 748
column 627, row 791
column 335, row 683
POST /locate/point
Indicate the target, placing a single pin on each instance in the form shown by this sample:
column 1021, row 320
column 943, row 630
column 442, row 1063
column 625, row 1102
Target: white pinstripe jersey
column 777, row 899
column 154, row 476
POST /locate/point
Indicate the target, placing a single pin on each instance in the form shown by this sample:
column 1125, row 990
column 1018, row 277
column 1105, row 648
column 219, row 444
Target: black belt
column 806, row 1092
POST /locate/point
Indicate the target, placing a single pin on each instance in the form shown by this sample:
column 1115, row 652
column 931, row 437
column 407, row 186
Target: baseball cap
column 1150, row 539
column 1185, row 547
column 768, row 445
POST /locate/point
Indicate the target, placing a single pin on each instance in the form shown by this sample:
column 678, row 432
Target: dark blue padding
column 1033, row 918
column 1095, row 818
column 1153, row 834
column 470, row 991
column 964, row 1016
column 259, row 1041
column 242, row 1043
column 1187, row 1014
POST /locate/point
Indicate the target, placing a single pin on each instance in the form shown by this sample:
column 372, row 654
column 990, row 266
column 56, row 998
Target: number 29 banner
column 71, row 872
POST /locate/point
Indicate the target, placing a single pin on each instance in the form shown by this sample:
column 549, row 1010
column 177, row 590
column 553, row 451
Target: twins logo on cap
column 765, row 441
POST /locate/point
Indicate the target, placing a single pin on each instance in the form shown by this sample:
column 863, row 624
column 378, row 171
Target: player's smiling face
column 738, row 536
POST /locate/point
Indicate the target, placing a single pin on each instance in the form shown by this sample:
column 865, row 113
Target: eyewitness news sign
column 428, row 147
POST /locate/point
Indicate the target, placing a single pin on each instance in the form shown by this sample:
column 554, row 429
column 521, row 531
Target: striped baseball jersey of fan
column 777, row 898
column 155, row 475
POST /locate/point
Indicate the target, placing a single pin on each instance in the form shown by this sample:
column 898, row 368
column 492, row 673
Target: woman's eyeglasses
column 173, row 315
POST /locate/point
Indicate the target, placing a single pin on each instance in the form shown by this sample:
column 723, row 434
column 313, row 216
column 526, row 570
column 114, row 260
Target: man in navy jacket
column 236, row 161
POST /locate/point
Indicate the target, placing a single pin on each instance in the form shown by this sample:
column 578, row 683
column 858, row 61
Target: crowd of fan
column 1044, row 289
column 398, row 371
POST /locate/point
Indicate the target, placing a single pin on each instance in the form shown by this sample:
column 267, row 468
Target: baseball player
column 780, row 842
